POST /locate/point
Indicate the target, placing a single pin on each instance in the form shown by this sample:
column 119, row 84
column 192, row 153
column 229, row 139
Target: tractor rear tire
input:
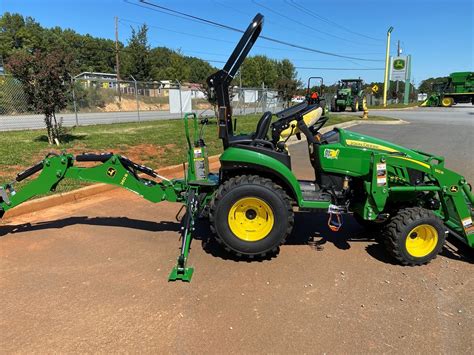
column 414, row 236
column 447, row 102
column 333, row 105
column 355, row 104
column 251, row 216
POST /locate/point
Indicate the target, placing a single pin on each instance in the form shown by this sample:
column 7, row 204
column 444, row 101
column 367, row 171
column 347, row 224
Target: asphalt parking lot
column 91, row 276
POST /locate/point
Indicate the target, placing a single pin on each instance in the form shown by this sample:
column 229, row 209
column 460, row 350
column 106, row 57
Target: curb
column 393, row 109
column 173, row 171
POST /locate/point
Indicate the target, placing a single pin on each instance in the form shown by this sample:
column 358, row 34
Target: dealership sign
column 399, row 68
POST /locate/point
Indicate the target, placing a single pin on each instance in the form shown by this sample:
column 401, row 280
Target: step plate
column 312, row 192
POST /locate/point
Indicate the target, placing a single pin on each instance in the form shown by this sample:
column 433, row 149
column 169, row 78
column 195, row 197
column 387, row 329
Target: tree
column 286, row 70
column 160, row 59
column 45, row 78
column 177, row 69
column 199, row 70
column 19, row 32
column 137, row 58
column 259, row 69
column 287, row 88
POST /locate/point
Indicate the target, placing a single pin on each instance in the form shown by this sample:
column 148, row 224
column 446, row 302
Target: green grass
column 154, row 143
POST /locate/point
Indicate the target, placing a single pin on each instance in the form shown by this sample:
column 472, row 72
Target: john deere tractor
column 349, row 94
column 457, row 88
column 407, row 196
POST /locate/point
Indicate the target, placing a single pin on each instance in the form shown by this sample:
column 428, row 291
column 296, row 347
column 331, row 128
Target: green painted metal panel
column 239, row 155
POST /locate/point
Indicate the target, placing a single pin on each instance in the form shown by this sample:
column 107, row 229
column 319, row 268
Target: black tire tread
column 233, row 182
column 394, row 229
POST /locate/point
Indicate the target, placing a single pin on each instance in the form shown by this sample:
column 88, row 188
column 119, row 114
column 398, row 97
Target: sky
column 438, row 34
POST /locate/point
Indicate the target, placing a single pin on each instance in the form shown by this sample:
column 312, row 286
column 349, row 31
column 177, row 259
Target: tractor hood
column 344, row 91
column 353, row 139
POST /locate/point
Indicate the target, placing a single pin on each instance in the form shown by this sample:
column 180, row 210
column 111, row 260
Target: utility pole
column 117, row 59
column 387, row 60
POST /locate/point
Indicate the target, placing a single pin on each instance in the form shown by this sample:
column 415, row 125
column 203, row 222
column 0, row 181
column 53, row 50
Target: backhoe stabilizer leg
column 181, row 271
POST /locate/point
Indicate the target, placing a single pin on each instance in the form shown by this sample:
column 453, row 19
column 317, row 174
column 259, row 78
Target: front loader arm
column 454, row 193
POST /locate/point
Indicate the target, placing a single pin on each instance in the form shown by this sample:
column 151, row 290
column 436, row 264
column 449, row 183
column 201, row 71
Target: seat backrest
column 263, row 125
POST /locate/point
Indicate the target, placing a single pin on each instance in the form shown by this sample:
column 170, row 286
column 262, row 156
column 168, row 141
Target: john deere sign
column 399, row 68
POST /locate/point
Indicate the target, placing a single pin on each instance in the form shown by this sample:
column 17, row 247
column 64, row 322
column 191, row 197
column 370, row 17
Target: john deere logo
column 331, row 153
column 399, row 64
column 453, row 188
column 111, row 172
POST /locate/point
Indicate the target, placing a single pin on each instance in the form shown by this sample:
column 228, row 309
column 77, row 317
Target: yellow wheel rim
column 447, row 101
column 251, row 219
column 357, row 106
column 421, row 240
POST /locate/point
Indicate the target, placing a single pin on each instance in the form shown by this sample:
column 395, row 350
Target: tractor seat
column 259, row 137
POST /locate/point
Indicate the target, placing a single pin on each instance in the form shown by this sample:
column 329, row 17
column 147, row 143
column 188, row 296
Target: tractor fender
column 239, row 161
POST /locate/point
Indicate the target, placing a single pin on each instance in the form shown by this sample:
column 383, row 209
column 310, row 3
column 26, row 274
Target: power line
column 308, row 11
column 280, row 25
column 303, row 24
column 312, row 68
column 355, row 69
column 122, row 20
column 216, row 24
column 179, row 32
column 217, row 54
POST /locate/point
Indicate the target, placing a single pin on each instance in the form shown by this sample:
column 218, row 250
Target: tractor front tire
column 355, row 104
column 414, row 236
column 251, row 216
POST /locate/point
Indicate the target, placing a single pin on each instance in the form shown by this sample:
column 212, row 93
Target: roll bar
column 309, row 84
column 219, row 81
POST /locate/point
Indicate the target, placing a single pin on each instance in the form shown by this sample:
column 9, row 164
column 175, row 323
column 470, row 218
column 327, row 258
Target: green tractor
column 349, row 94
column 458, row 88
column 408, row 196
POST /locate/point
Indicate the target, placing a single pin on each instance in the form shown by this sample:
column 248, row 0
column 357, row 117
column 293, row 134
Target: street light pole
column 387, row 59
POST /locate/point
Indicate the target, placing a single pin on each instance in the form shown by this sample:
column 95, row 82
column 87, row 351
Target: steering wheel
column 318, row 124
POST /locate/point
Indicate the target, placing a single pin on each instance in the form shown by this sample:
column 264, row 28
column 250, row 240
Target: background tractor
column 349, row 94
column 458, row 88
column 407, row 196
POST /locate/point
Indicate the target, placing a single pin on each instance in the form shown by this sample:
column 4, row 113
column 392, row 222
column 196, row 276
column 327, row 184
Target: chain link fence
column 13, row 99
column 102, row 100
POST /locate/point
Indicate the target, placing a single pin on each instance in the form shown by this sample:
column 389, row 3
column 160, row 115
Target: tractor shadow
column 456, row 250
column 123, row 222
column 303, row 234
